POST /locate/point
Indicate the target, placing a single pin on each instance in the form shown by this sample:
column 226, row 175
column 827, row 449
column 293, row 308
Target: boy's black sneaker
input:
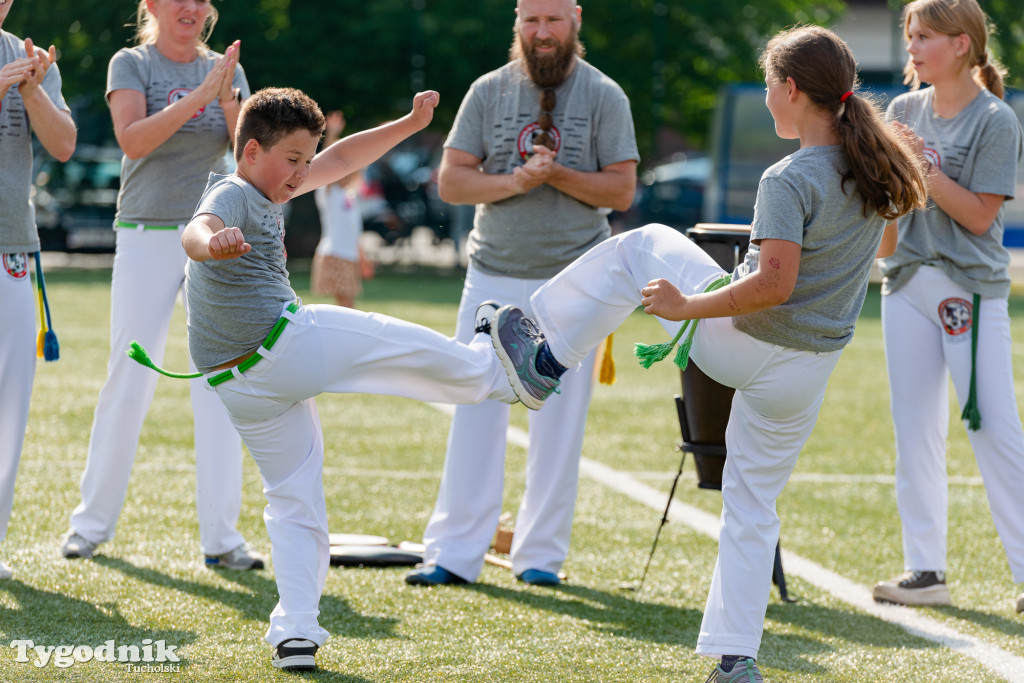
column 295, row 654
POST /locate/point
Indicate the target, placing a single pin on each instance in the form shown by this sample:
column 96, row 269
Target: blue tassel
column 51, row 347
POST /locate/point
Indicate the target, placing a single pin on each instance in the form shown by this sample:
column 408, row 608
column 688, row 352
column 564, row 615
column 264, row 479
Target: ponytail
column 882, row 165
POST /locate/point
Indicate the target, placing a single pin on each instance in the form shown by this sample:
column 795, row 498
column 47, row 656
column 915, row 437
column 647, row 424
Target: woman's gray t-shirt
column 800, row 199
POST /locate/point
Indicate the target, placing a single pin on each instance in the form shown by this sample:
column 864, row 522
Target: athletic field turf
column 840, row 531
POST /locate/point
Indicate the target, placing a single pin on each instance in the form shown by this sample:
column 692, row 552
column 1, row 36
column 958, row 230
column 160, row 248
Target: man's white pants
column 927, row 331
column 779, row 392
column 17, row 371
column 334, row 350
column 468, row 505
column 149, row 270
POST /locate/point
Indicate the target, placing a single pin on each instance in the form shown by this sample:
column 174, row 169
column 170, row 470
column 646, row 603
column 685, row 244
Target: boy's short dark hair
column 273, row 113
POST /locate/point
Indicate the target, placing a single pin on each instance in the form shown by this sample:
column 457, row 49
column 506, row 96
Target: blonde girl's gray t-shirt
column 535, row 235
column 800, row 199
column 17, row 215
column 980, row 149
column 162, row 188
column 234, row 304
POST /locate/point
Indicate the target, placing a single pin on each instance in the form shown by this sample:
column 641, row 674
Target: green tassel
column 971, row 413
column 649, row 354
column 139, row 355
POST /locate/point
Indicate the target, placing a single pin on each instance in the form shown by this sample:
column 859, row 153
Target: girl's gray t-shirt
column 17, row 214
column 801, row 199
column 234, row 304
column 162, row 187
column 980, row 148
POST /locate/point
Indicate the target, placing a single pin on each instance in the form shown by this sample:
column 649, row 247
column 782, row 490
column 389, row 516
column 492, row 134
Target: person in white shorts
column 774, row 333
column 30, row 90
column 173, row 102
column 945, row 291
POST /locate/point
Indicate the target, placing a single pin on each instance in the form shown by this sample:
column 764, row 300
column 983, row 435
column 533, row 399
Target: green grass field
column 384, row 459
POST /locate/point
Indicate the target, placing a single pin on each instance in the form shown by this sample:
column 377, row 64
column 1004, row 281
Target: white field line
column 1006, row 664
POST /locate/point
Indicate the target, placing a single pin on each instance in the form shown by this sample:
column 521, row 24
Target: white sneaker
column 242, row 557
column 914, row 588
column 5, row 571
column 295, row 654
column 1020, row 601
column 76, row 546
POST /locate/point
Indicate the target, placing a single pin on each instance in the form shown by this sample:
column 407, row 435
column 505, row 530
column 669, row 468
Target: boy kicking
column 267, row 356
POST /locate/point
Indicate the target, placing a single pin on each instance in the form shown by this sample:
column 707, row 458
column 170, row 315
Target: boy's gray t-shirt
column 234, row 304
column 980, row 148
column 162, row 187
column 800, row 199
column 17, row 214
column 535, row 235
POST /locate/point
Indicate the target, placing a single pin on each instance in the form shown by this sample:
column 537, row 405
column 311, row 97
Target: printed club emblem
column 933, row 156
column 179, row 93
column 530, row 133
column 16, row 266
column 955, row 316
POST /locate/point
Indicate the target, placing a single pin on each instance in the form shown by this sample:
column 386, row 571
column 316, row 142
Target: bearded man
column 545, row 148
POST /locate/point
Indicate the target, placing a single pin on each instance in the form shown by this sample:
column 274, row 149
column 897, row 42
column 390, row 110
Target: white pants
column 468, row 506
column 149, row 270
column 336, row 350
column 927, row 328
column 17, row 371
column 779, row 392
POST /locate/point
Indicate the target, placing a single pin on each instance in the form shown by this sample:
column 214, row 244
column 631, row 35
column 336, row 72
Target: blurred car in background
column 671, row 193
column 75, row 201
column 400, row 193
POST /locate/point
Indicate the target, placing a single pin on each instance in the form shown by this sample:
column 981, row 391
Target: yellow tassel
column 42, row 320
column 607, row 375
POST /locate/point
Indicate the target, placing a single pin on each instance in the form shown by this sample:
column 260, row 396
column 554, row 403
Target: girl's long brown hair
column 883, row 167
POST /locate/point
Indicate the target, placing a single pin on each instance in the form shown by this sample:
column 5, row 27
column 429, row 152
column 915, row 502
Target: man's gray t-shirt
column 162, row 187
column 17, row 215
column 234, row 304
column 534, row 236
column 800, row 199
column 979, row 148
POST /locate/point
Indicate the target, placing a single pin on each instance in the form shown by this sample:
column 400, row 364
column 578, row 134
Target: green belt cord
column 135, row 226
column 649, row 354
column 139, row 355
column 971, row 412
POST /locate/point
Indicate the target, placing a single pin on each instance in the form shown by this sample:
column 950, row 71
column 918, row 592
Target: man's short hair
column 274, row 113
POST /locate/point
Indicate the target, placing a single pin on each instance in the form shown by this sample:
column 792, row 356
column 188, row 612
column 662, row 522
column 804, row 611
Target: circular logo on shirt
column 530, row 133
column 16, row 266
column 179, row 93
column 955, row 316
column 932, row 155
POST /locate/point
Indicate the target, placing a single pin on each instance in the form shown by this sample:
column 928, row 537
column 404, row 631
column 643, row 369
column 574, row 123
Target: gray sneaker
column 745, row 671
column 516, row 340
column 242, row 557
column 76, row 546
column 914, row 588
column 484, row 315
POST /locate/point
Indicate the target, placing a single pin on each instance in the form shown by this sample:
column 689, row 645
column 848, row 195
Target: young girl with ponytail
column 774, row 332
column 944, row 303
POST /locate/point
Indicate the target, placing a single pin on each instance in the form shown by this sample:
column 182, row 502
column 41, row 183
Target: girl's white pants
column 149, row 270
column 17, row 371
column 779, row 392
column 468, row 506
column 927, row 328
column 337, row 350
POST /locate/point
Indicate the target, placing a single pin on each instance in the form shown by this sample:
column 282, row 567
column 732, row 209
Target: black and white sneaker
column 914, row 588
column 295, row 654
column 484, row 315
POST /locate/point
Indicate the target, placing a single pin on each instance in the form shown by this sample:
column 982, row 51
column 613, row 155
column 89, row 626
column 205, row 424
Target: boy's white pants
column 336, row 350
column 927, row 331
column 149, row 270
column 468, row 506
column 17, row 371
column 779, row 392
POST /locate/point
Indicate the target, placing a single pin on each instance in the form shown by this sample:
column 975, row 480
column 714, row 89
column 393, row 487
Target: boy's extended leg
column 593, row 295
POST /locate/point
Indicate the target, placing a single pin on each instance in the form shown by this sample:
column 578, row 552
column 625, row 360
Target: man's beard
column 549, row 70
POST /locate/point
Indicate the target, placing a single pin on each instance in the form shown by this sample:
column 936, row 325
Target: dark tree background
column 367, row 57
